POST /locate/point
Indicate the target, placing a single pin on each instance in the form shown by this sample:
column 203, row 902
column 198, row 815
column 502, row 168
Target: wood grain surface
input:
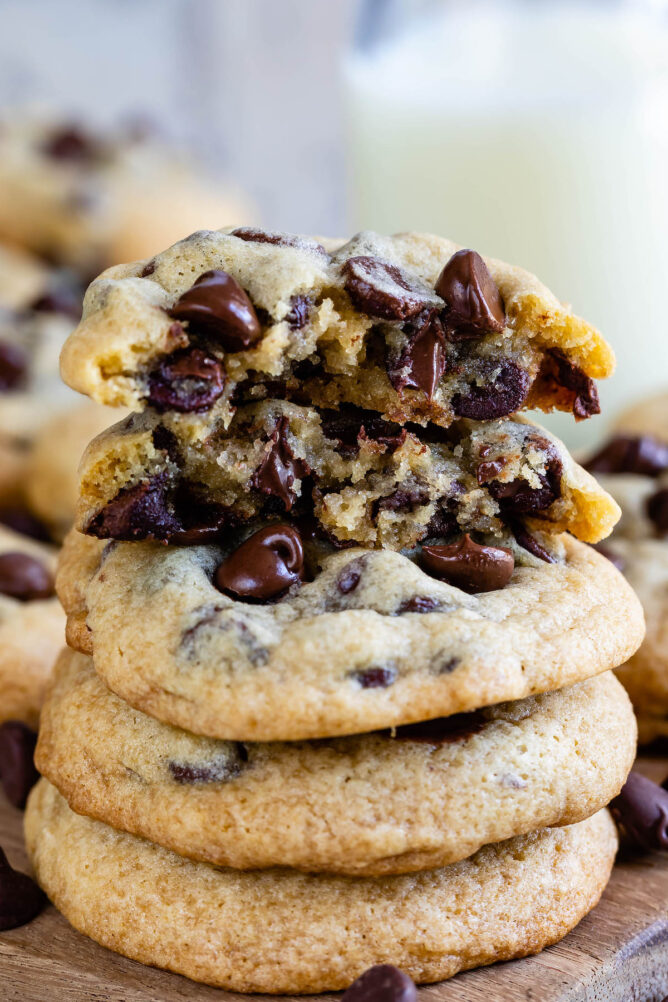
column 619, row 953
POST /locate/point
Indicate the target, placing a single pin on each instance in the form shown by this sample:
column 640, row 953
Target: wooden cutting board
column 619, row 953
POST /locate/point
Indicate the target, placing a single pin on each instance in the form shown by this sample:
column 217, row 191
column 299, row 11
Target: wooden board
column 619, row 953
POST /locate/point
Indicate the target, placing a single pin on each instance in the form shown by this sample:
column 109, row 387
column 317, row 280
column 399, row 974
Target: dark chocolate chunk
column 218, row 771
column 349, row 578
column 20, row 897
column 517, row 497
column 280, row 467
column 24, row 578
column 382, row 290
column 489, row 469
column 188, row 381
column 299, row 312
column 148, row 269
column 504, row 395
column 382, row 983
column 375, row 678
column 349, row 425
column 143, row 511
column 403, row 499
column 23, row 521
column 419, row 603
column 443, row 522
column 475, row 306
column 70, row 142
column 423, row 361
column 265, row 566
column 13, row 366
column 218, row 307
column 17, row 767
column 641, row 809
column 257, row 236
column 469, row 565
column 572, row 388
column 646, row 456
column 657, row 510
column 443, row 730
column 528, row 542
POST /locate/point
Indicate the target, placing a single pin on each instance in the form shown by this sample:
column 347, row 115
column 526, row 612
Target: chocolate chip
column 351, row 425
column 572, row 388
column 70, row 142
column 475, row 306
column 24, row 578
column 517, row 497
column 265, row 566
column 443, row 522
column 423, row 361
column 375, row 678
column 148, row 269
column 23, row 521
column 418, row 603
column 528, row 542
column 504, row 395
column 641, row 809
column 488, row 470
column 382, row 290
column 219, row 771
column 188, row 381
column 218, row 307
column 657, row 510
column 139, row 512
column 20, row 897
column 382, row 983
column 403, row 499
column 443, row 730
column 468, row 565
column 299, row 312
column 615, row 558
column 348, row 580
column 63, row 300
column 643, row 455
column 279, row 467
column 13, row 366
column 256, row 236
column 17, row 768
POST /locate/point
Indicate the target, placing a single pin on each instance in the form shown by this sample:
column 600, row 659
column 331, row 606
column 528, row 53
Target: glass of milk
column 531, row 130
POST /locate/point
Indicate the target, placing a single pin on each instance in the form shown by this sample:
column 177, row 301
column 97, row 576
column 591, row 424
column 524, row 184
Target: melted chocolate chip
column 468, row 565
column 443, row 730
column 220, row 771
column 70, row 142
column 494, row 400
column 517, row 497
column 348, row 579
column 382, row 290
column 486, row 471
column 17, row 768
column 265, row 566
column 657, row 510
column 382, row 983
column 256, row 236
column 218, row 307
column 404, row 499
column 299, row 312
column 572, row 388
column 641, row 809
column 20, row 897
column 443, row 522
column 23, row 521
column 421, row 604
column 375, row 678
column 188, row 381
column 475, row 306
column 13, row 366
column 349, row 425
column 643, row 455
column 528, row 542
column 423, row 361
column 24, row 578
column 279, row 468
column 139, row 512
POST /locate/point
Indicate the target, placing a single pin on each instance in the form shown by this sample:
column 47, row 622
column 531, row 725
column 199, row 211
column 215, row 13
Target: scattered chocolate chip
column 657, row 510
column 166, row 441
column 70, row 142
column 279, row 467
column 265, row 566
column 375, row 678
column 24, row 578
column 403, row 499
column 475, row 306
column 446, row 666
column 218, row 307
column 486, row 471
column 519, row 498
column 63, row 300
column 504, row 395
column 148, row 269
column 299, row 312
column 572, row 388
column 423, row 361
column 615, row 558
column 350, row 425
column 13, row 366
column 20, row 897
column 17, row 768
column 641, row 809
column 188, row 381
column 643, row 455
column 528, row 542
column 348, row 579
column 139, row 512
column 469, row 565
column 256, row 236
column 220, row 771
column 418, row 603
column 23, row 521
column 442, row 730
column 382, row 290
column 382, row 983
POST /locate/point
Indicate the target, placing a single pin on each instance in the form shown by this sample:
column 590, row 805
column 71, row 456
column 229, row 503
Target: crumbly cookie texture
column 390, row 802
column 31, row 626
column 362, row 479
column 90, row 200
column 279, row 931
column 372, row 641
column 401, row 325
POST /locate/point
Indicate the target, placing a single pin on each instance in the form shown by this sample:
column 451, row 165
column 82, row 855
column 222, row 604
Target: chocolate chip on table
column 279, row 467
column 443, row 730
column 503, row 396
column 24, row 522
column 13, row 366
column 70, row 142
column 382, row 290
column 256, row 236
column 219, row 771
column 350, row 425
column 24, row 577
column 474, row 303
column 382, row 983
column 17, row 768
column 572, row 388
column 20, row 897
column 657, row 510
column 375, row 678
column 218, row 307
column 528, row 542
column 423, row 361
column 641, row 809
column 188, row 381
column 469, row 565
column 644, row 455
column 264, row 567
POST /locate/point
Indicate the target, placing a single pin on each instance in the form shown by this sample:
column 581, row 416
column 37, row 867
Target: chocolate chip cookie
column 410, row 326
column 280, row 931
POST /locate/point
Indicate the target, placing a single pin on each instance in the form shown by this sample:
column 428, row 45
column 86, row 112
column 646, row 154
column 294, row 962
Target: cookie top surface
column 246, row 313
column 372, row 641
column 280, row 931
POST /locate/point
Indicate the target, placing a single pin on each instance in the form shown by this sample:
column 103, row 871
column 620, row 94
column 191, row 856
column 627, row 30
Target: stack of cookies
column 338, row 690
